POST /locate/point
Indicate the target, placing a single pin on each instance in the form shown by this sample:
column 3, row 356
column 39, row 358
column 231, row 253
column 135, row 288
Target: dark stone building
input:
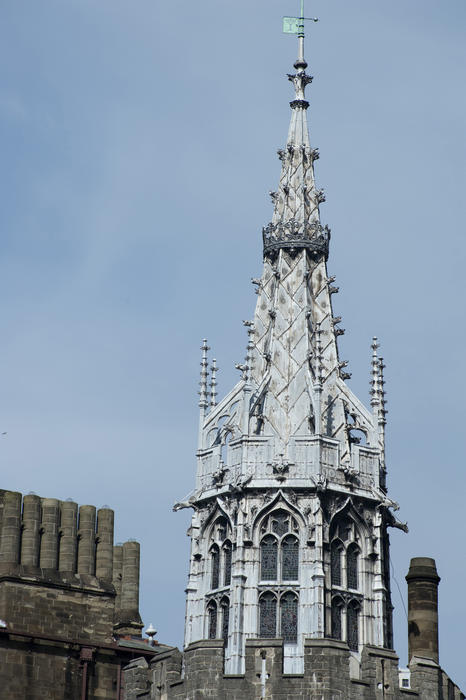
column 69, row 601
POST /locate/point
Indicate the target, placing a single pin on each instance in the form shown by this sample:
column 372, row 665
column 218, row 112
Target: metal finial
column 213, row 383
column 204, row 373
column 295, row 25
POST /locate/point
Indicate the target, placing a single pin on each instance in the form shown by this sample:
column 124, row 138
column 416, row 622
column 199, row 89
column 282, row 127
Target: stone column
column 117, row 575
column 49, row 539
column 69, row 536
column 423, row 583
column 11, row 527
column 30, row 541
column 86, row 543
column 104, row 553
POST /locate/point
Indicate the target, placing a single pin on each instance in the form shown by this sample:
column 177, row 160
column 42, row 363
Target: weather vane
column 295, row 25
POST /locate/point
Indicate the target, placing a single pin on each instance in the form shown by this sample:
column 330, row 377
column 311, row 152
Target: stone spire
column 290, row 457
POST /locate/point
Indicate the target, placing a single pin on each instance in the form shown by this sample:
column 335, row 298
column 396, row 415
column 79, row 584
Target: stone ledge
column 326, row 642
column 205, row 644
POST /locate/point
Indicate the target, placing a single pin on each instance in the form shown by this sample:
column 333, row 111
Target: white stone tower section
column 289, row 529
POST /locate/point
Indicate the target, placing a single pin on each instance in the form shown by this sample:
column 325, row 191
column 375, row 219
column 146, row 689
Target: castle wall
column 59, row 607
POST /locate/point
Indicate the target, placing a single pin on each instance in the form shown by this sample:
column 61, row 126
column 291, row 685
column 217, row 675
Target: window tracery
column 279, row 562
column 352, row 567
column 221, row 553
column 227, row 551
column 290, row 559
column 352, row 625
column 212, row 619
column 215, row 560
column 225, row 607
column 269, row 558
column 289, row 617
column 267, row 615
column 337, row 605
column 344, row 577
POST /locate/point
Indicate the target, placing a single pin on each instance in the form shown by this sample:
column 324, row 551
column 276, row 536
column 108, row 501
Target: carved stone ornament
column 295, row 235
column 281, row 467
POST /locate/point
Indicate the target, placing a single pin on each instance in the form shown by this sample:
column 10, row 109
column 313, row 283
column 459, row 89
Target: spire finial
column 204, row 372
column 213, row 383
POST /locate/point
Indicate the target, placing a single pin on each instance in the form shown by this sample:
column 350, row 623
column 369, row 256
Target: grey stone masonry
column 331, row 672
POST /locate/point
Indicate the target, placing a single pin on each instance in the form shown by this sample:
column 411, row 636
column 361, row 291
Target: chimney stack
column 423, row 583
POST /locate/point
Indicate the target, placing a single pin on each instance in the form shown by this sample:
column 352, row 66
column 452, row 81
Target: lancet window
column 344, row 581
column 212, row 619
column 225, row 608
column 221, row 552
column 279, row 563
column 279, row 548
column 278, row 616
column 337, row 605
column 352, row 626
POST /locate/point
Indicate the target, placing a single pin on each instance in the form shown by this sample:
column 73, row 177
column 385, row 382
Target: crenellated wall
column 62, row 545
column 67, row 593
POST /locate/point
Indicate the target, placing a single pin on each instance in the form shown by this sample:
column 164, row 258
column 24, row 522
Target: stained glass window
column 289, row 618
column 280, row 522
column 269, row 559
column 267, row 615
column 290, row 559
column 336, row 619
column 227, row 564
column 352, row 567
column 212, row 617
column 336, row 564
column 352, row 622
column 215, row 559
column 225, row 604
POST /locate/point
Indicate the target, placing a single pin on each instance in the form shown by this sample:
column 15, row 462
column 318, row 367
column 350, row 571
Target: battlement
column 63, row 555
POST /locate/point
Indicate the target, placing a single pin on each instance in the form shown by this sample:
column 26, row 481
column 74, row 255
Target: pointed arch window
column 215, row 562
column 335, row 563
column 267, row 615
column 352, row 624
column 290, row 559
column 352, row 556
column 289, row 618
column 225, row 607
column 212, row 619
column 227, row 563
column 337, row 605
column 269, row 558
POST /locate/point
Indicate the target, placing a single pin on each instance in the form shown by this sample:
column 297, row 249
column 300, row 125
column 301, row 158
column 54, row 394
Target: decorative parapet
column 295, row 235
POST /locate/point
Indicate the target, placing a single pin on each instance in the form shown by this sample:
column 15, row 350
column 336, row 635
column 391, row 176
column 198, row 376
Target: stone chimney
column 423, row 583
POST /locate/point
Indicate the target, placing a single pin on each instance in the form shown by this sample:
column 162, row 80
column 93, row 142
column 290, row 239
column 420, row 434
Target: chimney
column 423, row 583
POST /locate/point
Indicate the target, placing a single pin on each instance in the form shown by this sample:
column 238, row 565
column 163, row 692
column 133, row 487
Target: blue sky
column 138, row 147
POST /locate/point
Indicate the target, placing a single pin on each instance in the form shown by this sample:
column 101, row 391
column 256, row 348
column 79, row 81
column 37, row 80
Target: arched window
column 352, row 567
column 212, row 618
column 352, row 625
column 290, row 559
column 269, row 558
column 225, row 607
column 267, row 615
column 335, row 564
column 227, row 563
column 215, row 561
column 337, row 605
column 289, row 618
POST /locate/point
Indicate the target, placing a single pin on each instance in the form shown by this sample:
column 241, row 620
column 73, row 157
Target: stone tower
column 289, row 531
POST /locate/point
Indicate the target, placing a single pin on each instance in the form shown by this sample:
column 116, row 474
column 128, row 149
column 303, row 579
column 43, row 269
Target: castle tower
column 289, row 531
